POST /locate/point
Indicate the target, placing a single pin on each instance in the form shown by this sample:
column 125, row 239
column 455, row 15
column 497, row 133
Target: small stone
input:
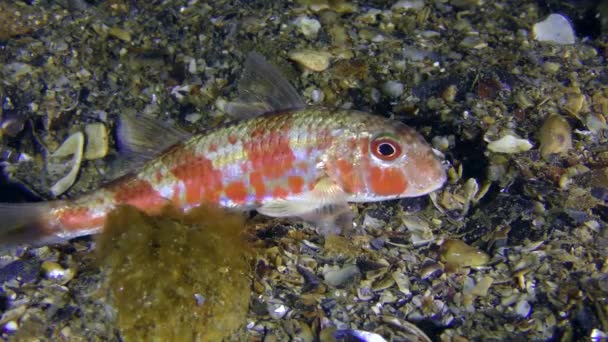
column 551, row 67
column 54, row 271
column 509, row 144
column 309, row 27
column 555, row 136
column 277, row 310
column 312, row 60
column 404, row 5
column 393, row 89
column 555, row 29
column 97, row 141
column 11, row 327
column 473, row 42
column 119, row 33
column 449, row 94
column 523, row 308
column 482, row 286
column 458, row 253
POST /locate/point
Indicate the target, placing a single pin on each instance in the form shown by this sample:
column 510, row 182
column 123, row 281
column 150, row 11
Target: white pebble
column 555, row 29
column 11, row 326
column 408, row 4
column 523, row 308
column 393, row 88
column 309, row 27
column 509, row 144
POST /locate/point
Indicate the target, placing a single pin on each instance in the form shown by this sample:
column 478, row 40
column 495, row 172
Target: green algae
column 175, row 277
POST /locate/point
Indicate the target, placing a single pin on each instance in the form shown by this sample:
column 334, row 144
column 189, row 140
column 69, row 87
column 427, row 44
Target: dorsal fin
column 146, row 137
column 262, row 89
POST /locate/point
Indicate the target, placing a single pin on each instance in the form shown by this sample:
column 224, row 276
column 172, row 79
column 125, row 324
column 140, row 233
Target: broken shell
column 74, row 145
column 555, row 29
column 482, row 286
column 509, row 144
column 573, row 103
column 311, row 59
column 420, row 230
column 336, row 276
column 555, row 136
column 97, row 141
column 458, row 253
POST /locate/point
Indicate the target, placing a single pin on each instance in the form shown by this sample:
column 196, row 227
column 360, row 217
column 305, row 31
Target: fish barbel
column 292, row 161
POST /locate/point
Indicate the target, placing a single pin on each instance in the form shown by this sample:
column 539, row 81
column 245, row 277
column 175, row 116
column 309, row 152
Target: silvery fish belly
column 283, row 160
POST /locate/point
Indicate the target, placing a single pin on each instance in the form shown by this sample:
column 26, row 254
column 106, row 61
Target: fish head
column 385, row 159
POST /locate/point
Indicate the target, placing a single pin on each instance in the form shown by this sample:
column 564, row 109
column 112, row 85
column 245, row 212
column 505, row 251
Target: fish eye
column 386, row 148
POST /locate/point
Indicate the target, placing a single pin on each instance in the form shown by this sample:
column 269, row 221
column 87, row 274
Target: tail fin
column 24, row 223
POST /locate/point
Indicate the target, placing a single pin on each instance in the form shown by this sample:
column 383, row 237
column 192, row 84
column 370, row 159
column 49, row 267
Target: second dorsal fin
column 262, row 89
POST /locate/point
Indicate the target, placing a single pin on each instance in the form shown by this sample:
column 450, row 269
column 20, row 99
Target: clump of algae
column 177, row 277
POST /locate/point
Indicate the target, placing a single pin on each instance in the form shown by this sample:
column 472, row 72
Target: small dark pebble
column 25, row 270
column 272, row 232
column 377, row 243
column 601, row 211
column 600, row 193
column 327, row 304
column 311, row 281
column 414, row 204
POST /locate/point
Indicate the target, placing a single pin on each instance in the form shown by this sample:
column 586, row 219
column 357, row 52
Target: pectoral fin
column 325, row 206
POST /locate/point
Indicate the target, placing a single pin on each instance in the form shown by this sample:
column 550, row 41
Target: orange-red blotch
column 280, row 192
column 296, row 184
column 236, row 192
column 351, row 181
column 140, row 194
column 386, row 182
column 78, row 218
column 256, row 180
column 232, row 139
column 270, row 153
column 201, row 181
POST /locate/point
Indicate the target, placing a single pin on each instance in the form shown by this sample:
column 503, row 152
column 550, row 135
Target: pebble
column 555, row 136
column 458, row 253
column 54, row 271
column 523, row 308
column 97, row 141
column 309, row 27
column 482, row 286
column 509, row 144
column 555, row 29
column 393, row 89
column 473, row 42
column 408, row 5
column 312, row 60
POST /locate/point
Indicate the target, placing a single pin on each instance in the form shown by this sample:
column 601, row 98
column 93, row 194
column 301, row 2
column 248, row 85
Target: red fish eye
column 386, row 149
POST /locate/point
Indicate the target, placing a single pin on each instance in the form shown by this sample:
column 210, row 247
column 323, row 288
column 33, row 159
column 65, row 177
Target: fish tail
column 26, row 223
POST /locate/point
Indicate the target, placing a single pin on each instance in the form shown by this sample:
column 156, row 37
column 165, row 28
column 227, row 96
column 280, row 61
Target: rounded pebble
column 311, row 59
column 393, row 88
column 555, row 136
column 458, row 253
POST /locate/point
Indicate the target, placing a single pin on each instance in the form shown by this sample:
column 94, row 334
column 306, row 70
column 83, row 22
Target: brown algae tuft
column 177, row 277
